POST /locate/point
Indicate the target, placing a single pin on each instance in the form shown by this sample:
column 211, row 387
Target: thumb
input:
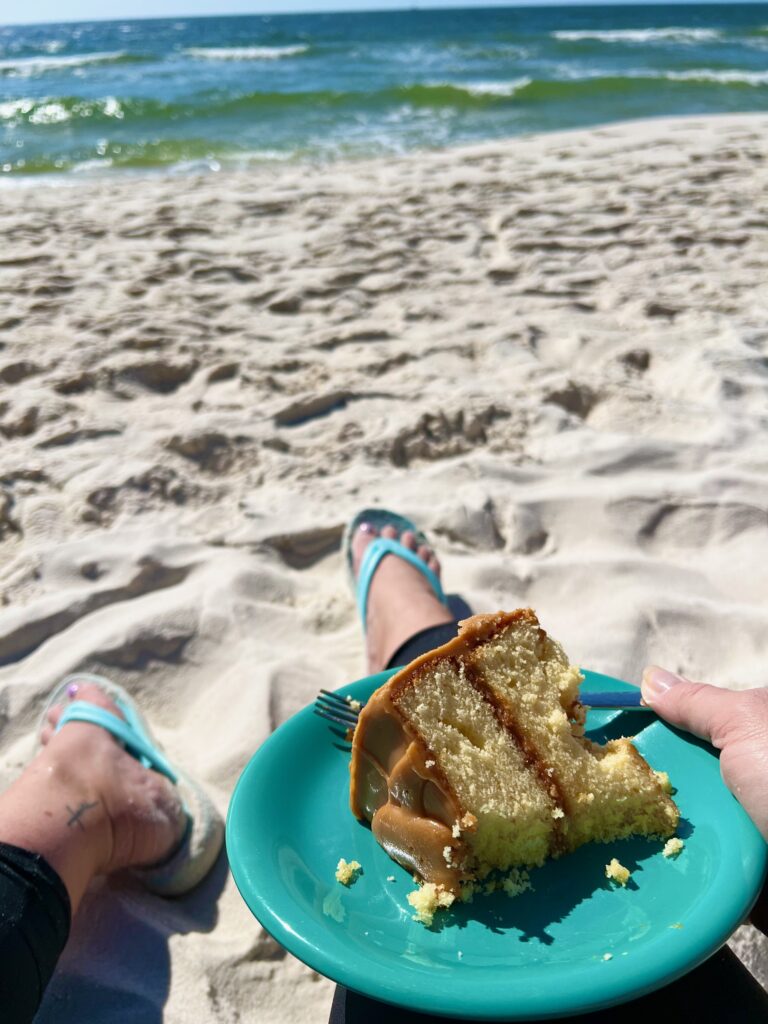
column 734, row 722
column 707, row 711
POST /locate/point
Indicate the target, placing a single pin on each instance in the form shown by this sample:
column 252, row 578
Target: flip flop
column 203, row 837
column 378, row 548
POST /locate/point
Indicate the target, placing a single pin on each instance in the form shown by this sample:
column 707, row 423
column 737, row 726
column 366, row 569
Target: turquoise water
column 209, row 92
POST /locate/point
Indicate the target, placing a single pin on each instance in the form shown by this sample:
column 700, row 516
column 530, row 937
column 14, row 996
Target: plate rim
column 339, row 972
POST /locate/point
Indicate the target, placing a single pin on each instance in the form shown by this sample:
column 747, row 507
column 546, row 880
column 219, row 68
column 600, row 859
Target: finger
column 712, row 713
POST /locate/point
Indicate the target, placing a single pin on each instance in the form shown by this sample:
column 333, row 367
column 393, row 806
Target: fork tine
column 336, row 698
column 338, row 707
column 331, row 715
column 344, row 722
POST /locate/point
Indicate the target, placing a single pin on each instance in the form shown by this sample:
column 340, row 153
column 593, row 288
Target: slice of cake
column 472, row 758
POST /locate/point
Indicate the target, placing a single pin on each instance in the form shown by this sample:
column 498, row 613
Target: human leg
column 83, row 806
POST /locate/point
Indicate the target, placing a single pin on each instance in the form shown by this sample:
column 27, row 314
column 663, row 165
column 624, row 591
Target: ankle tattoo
column 76, row 815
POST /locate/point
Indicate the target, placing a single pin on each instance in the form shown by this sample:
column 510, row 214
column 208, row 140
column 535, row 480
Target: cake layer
column 607, row 792
column 473, row 758
column 479, row 754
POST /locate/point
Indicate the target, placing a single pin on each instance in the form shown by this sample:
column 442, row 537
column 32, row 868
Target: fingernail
column 365, row 528
column 656, row 682
column 72, row 690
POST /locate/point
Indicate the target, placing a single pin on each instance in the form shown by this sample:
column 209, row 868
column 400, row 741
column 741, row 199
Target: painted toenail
column 72, row 690
column 365, row 528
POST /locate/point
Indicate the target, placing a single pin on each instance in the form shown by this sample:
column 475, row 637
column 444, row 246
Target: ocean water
column 199, row 93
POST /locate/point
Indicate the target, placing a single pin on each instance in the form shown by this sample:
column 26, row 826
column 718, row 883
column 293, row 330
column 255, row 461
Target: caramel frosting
column 398, row 787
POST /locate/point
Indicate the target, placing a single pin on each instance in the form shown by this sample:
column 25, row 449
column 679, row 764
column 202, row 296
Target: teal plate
column 542, row 954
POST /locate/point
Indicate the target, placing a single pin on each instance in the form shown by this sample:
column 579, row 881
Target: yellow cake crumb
column 347, row 871
column 390, row 878
column 607, row 956
column 430, row 764
column 354, row 704
column 427, row 899
column 666, row 785
column 672, row 847
column 558, row 812
column 677, row 925
column 448, row 855
column 517, row 881
column 466, row 824
column 617, row 872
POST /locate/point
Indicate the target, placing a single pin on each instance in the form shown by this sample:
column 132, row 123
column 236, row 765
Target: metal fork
column 338, row 709
column 343, row 711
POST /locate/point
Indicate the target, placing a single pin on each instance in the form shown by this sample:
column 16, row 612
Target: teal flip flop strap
column 134, row 741
column 373, row 555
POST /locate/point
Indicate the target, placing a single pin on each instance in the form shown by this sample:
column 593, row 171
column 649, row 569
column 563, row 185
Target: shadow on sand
column 117, row 966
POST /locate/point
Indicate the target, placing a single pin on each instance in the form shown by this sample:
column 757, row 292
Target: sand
column 552, row 352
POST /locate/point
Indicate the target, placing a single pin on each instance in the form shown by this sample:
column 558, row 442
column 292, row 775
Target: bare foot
column 400, row 601
column 134, row 815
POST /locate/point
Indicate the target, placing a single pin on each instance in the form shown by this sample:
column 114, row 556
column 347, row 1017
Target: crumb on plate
column 348, row 871
column 617, row 872
column 427, row 899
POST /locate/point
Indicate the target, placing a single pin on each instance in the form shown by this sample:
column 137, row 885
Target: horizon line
column 406, row 7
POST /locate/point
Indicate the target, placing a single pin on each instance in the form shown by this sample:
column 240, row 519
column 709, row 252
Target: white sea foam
column 91, row 165
column 754, row 78
column 484, row 88
column 244, row 52
column 494, row 88
column 25, row 66
column 640, row 35
column 51, row 111
column 12, row 109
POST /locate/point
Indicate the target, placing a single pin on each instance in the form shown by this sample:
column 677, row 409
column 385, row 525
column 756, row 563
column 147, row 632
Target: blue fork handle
column 621, row 700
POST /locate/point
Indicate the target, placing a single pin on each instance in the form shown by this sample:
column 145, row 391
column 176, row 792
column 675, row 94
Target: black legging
column 34, row 926
column 720, row 991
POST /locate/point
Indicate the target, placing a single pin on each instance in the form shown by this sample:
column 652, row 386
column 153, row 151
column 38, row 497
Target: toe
column 424, row 552
column 434, row 565
column 363, row 536
column 94, row 695
column 88, row 692
column 389, row 531
column 408, row 539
